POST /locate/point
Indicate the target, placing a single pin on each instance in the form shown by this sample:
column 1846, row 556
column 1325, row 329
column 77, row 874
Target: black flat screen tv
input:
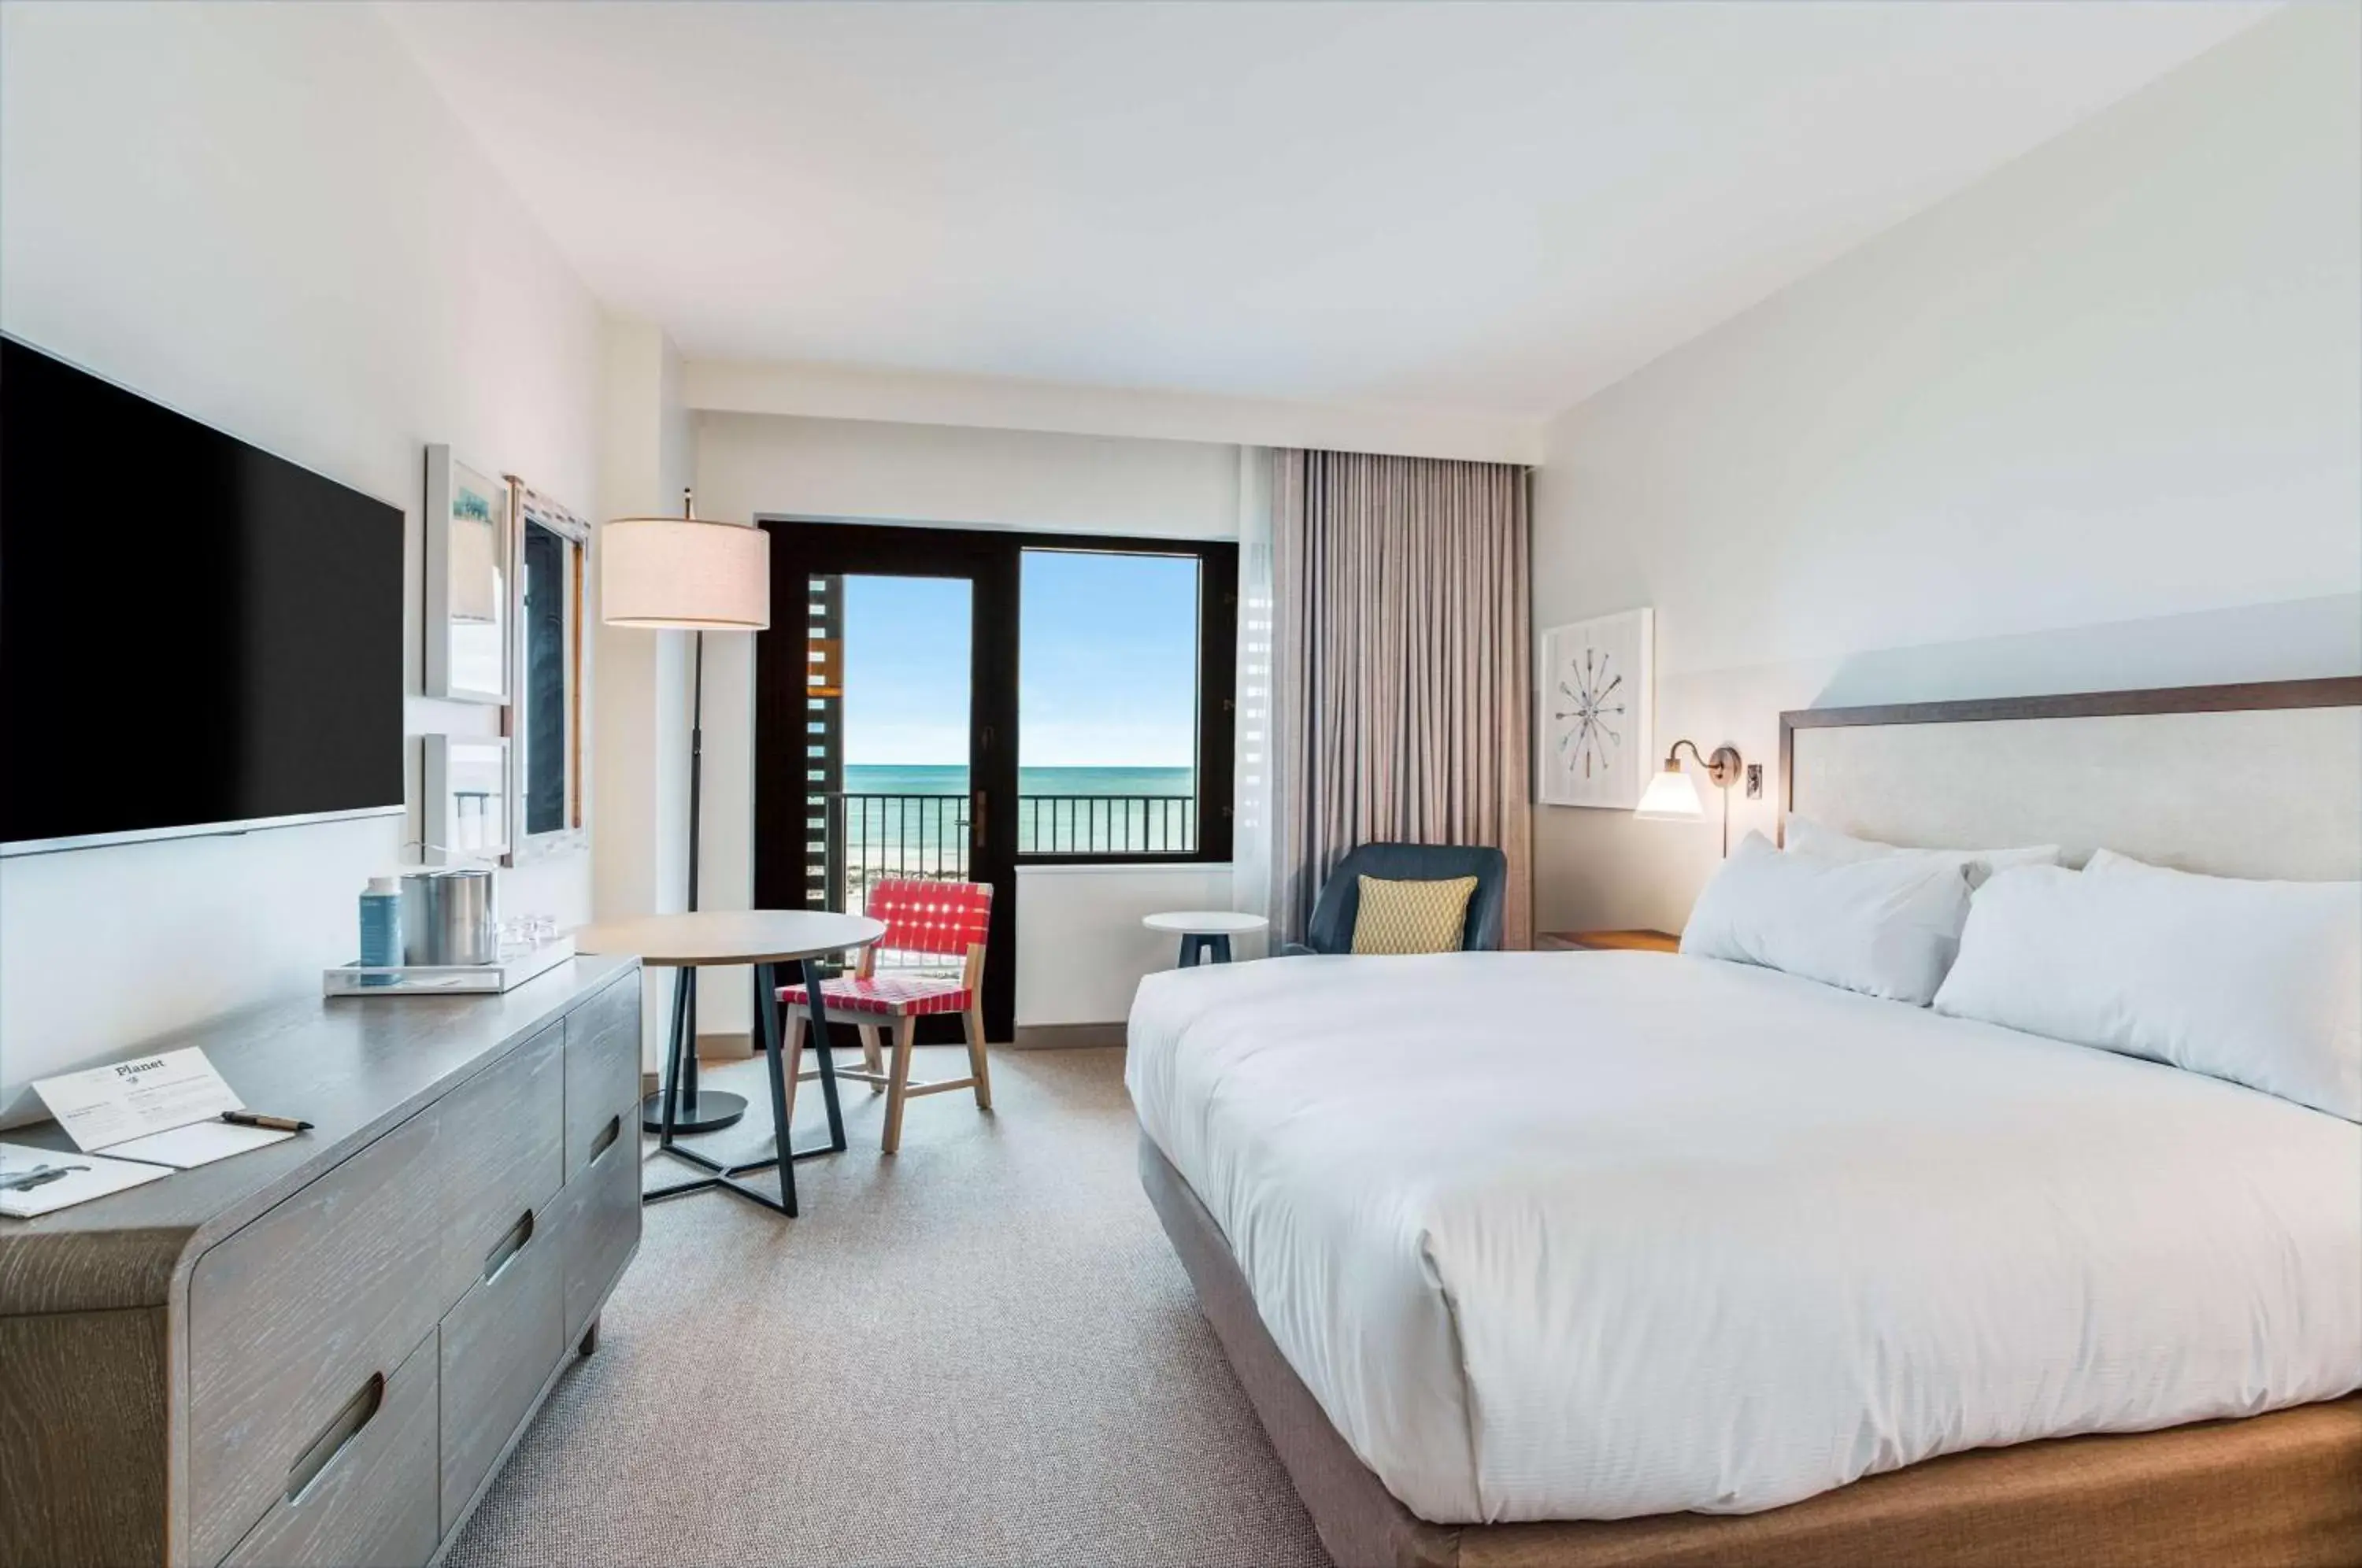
column 194, row 635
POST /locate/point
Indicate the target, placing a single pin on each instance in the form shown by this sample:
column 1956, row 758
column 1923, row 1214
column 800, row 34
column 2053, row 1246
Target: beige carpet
column 981, row 1351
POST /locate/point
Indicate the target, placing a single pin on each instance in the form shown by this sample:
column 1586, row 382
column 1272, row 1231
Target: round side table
column 1205, row 933
column 766, row 939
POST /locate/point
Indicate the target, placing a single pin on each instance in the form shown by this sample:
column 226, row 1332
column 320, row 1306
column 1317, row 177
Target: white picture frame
column 470, row 565
column 467, row 810
column 1596, row 710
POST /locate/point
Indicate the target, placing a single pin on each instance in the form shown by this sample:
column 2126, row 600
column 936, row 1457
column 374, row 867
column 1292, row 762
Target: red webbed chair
column 933, row 919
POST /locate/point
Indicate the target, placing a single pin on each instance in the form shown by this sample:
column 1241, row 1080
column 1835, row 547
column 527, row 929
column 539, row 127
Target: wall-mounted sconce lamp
column 1672, row 796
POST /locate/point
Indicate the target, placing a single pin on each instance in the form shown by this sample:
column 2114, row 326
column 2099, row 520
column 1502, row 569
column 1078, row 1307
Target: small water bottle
column 380, row 929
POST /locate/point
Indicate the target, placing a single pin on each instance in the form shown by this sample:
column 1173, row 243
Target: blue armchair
column 1332, row 930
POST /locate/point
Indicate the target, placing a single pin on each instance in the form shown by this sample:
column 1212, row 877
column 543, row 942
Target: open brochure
column 35, row 1181
column 163, row 1109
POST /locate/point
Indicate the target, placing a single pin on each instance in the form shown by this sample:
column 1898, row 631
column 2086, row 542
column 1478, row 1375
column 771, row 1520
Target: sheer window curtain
column 1253, row 792
column 1384, row 611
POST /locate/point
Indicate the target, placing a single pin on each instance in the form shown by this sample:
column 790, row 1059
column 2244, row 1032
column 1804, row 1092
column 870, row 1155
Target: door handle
column 505, row 1250
column 335, row 1438
column 975, row 822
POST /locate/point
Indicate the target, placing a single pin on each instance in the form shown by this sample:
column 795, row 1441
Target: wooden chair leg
column 905, row 1028
column 870, row 1056
column 793, row 1051
column 972, row 1024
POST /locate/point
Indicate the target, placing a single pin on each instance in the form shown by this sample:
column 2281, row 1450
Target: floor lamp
column 679, row 574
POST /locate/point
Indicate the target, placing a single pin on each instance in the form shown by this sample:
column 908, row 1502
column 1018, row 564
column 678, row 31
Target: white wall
column 2095, row 422
column 1081, row 948
column 263, row 216
column 756, row 464
column 639, row 799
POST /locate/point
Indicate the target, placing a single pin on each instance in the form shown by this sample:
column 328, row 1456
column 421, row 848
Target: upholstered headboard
column 2254, row 781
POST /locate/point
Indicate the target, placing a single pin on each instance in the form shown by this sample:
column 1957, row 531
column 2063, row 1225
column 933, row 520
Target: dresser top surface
column 353, row 1066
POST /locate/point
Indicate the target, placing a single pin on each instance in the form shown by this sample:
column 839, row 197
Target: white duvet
column 1591, row 1235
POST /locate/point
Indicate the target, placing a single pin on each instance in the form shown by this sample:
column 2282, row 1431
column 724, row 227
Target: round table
column 765, row 939
column 1204, row 931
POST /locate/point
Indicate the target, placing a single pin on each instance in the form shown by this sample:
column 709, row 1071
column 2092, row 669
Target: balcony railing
column 1107, row 824
column 859, row 838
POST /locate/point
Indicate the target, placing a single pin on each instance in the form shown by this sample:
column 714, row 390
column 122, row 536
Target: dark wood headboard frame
column 2334, row 691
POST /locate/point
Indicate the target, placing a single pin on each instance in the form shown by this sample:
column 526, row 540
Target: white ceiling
column 1494, row 208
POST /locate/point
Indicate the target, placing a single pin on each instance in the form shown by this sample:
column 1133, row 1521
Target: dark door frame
column 802, row 547
column 799, row 553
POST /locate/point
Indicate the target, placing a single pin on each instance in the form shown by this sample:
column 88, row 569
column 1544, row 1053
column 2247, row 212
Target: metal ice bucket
column 447, row 917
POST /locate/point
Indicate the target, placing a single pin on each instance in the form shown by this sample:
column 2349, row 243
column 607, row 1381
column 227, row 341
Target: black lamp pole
column 681, row 1108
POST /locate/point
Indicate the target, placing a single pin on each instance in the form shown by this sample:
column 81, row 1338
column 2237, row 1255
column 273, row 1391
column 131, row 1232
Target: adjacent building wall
column 264, row 216
column 2096, row 422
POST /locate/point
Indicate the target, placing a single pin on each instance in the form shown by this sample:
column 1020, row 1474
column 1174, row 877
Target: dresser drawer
column 295, row 1311
column 504, row 1130
column 364, row 1491
column 499, row 1345
column 602, row 1068
column 600, row 1223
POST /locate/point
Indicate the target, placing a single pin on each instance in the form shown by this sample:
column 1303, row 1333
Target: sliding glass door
column 955, row 702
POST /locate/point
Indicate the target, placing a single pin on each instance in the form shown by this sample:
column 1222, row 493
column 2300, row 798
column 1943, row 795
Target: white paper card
column 198, row 1144
column 106, row 1106
column 35, row 1181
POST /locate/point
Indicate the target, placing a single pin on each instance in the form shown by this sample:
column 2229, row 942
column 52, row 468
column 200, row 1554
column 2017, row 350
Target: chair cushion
column 888, row 996
column 1330, row 928
column 1412, row 917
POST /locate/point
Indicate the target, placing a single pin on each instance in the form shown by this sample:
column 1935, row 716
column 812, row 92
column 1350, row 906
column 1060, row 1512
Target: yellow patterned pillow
column 1412, row 917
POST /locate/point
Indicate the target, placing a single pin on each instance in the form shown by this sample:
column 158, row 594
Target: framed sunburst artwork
column 1596, row 700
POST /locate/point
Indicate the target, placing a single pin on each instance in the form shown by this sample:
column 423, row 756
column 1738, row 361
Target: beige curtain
column 1402, row 666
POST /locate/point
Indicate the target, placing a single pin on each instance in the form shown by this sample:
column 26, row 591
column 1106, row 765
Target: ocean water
column 896, row 779
column 1101, row 810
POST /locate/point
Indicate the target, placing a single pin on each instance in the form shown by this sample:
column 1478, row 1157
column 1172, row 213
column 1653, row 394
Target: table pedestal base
column 675, row 1100
column 1215, row 948
column 707, row 1111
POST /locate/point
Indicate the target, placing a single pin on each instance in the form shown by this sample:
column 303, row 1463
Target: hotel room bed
column 1632, row 1258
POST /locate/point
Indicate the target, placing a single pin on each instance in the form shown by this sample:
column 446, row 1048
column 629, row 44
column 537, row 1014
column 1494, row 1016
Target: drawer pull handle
column 505, row 1250
column 606, row 1139
column 334, row 1439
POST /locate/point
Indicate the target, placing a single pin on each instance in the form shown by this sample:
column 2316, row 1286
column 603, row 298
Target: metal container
column 447, row 917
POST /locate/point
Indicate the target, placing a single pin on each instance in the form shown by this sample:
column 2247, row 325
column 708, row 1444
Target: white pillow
column 1886, row 926
column 1811, row 837
column 2257, row 982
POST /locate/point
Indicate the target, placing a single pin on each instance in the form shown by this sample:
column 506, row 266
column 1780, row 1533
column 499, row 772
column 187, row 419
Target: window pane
column 544, row 701
column 887, row 739
column 1107, row 743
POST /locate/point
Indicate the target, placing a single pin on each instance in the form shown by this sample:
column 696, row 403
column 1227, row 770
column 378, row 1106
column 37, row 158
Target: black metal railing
column 1107, row 824
column 858, row 838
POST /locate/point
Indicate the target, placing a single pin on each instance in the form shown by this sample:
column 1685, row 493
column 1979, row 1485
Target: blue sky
column 1106, row 675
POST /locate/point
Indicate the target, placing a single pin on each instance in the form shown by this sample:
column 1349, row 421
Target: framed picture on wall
column 469, row 556
column 1596, row 700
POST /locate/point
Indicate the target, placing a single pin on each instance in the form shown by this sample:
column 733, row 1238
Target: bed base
column 2272, row 1491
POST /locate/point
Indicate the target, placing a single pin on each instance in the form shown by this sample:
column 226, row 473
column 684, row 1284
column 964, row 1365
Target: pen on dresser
column 256, row 1118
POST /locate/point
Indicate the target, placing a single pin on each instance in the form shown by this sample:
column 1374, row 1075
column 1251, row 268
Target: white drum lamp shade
column 677, row 574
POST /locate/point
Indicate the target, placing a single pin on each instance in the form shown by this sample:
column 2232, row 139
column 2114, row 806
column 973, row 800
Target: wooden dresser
column 320, row 1351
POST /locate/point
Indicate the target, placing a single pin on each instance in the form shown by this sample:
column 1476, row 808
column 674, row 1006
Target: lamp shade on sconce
column 1672, row 796
column 677, row 574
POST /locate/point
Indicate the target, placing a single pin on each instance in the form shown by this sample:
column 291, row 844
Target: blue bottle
column 380, row 929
